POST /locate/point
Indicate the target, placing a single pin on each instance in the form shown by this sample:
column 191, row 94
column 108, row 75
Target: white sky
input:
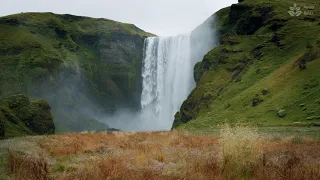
column 161, row 17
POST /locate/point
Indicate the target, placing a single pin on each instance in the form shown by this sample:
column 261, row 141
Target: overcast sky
column 161, row 17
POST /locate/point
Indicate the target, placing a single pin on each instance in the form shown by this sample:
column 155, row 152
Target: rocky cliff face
column 264, row 70
column 83, row 67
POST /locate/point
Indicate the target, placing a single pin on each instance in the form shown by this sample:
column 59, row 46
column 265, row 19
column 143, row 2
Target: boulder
column 311, row 118
column 265, row 92
column 281, row 113
column 302, row 65
column 256, row 101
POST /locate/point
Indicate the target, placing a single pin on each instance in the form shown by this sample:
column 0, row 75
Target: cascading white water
column 168, row 72
column 167, row 77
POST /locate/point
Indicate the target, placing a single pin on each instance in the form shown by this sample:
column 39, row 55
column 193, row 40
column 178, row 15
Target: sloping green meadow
column 267, row 63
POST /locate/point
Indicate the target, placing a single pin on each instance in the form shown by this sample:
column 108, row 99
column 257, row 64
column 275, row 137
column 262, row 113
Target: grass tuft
column 240, row 151
column 28, row 168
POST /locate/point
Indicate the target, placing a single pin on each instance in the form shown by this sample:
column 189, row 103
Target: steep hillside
column 82, row 66
column 20, row 116
column 265, row 70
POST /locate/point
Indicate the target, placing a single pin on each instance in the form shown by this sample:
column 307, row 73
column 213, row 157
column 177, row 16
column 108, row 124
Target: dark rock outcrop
column 257, row 100
column 20, row 116
column 265, row 91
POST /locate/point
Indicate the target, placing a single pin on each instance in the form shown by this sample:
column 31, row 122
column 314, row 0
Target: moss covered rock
column 20, row 116
column 40, row 119
column 282, row 113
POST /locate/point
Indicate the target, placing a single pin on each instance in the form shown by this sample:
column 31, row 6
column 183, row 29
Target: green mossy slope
column 265, row 70
column 19, row 116
column 80, row 65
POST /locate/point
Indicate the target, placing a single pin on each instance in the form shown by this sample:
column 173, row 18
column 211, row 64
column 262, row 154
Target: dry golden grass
column 28, row 168
column 241, row 151
column 238, row 153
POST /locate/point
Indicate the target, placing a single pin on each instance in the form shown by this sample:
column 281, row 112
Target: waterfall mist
column 167, row 76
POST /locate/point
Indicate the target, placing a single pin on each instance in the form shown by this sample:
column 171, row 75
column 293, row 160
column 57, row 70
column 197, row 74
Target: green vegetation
column 20, row 116
column 80, row 65
column 265, row 70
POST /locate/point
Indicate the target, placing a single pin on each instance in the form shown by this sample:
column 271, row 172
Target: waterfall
column 167, row 76
column 168, row 72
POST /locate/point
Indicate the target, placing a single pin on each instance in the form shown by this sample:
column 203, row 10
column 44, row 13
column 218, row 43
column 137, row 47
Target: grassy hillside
column 265, row 70
column 20, row 116
column 80, row 65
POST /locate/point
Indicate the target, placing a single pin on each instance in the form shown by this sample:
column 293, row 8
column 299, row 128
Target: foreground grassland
column 236, row 153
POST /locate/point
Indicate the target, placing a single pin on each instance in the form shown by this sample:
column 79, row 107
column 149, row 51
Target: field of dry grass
column 238, row 153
